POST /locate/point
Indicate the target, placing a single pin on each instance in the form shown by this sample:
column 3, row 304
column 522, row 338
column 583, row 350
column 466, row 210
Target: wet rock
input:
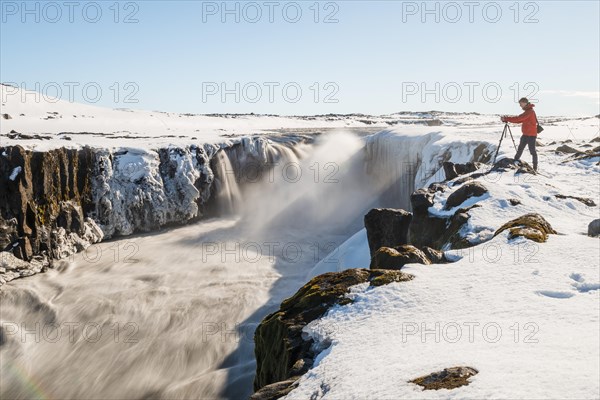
column 468, row 190
column 386, row 227
column 397, row 257
column 594, row 228
column 587, row 201
column 448, row 378
column 531, row 226
column 282, row 354
column 12, row 267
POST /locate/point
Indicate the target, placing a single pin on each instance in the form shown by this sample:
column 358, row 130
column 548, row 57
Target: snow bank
column 525, row 315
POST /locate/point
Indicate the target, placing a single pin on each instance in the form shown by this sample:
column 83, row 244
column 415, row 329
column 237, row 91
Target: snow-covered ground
column 525, row 315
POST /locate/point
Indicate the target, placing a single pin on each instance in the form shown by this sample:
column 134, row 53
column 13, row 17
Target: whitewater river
column 172, row 314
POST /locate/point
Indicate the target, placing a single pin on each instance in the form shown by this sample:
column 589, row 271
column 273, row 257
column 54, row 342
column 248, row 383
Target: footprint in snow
column 581, row 285
column 555, row 294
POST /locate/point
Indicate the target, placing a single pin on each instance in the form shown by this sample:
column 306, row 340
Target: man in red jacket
column 529, row 128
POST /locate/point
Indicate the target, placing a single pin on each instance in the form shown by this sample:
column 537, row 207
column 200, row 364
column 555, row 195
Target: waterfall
column 227, row 191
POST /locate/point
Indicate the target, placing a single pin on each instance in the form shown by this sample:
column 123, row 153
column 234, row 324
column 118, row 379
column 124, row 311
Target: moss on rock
column 281, row 352
column 531, row 226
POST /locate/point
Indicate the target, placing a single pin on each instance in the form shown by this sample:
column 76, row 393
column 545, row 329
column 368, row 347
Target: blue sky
column 370, row 56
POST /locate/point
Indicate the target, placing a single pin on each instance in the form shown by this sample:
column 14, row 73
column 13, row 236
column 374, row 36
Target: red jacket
column 528, row 119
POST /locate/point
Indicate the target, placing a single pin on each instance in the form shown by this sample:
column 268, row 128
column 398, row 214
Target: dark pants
column 530, row 142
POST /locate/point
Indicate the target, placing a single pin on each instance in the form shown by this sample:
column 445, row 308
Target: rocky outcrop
column 507, row 164
column 397, row 257
column 567, row 149
column 453, row 170
column 531, row 226
column 448, row 378
column 466, row 191
column 386, row 228
column 44, row 200
column 282, row 354
column 12, row 267
column 428, row 230
column 594, row 228
column 585, row 200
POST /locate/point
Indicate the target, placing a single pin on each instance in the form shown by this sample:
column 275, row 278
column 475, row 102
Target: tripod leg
column 500, row 144
column 512, row 137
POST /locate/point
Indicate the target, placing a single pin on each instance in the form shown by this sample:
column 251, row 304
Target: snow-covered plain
column 525, row 315
column 59, row 123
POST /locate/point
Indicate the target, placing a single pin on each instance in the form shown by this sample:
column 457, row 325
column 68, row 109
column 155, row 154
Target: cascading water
column 172, row 314
column 228, row 197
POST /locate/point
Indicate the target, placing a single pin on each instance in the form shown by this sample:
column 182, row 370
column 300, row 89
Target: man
column 529, row 128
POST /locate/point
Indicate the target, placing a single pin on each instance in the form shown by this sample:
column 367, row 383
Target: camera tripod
column 506, row 129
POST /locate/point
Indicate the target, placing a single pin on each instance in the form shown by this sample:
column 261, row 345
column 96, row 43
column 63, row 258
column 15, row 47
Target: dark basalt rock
column 453, row 170
column 567, row 149
column 506, row 164
column 282, row 355
column 587, row 201
column 397, row 257
column 448, row 378
column 435, row 256
column 387, row 227
column 531, row 226
column 594, row 228
column 427, row 230
column 421, row 200
column 52, row 190
column 468, row 190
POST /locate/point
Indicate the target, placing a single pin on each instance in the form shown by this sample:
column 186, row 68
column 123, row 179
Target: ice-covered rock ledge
column 519, row 304
column 57, row 202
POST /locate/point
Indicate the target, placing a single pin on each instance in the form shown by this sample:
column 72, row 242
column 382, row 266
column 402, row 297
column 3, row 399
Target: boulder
column 434, row 231
column 531, row 226
column 386, row 227
column 448, row 378
column 466, row 191
column 421, row 200
column 594, row 228
column 276, row 390
column 397, row 257
column 511, row 164
column 435, row 256
column 453, row 170
column 585, row 200
column 567, row 149
column 282, row 354
column 437, row 187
